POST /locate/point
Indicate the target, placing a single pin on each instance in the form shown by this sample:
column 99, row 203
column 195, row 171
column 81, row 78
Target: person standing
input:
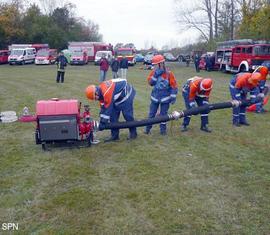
column 61, row 63
column 164, row 91
column 103, row 66
column 263, row 88
column 197, row 63
column 115, row 96
column 240, row 85
column 124, row 67
column 197, row 90
column 115, row 67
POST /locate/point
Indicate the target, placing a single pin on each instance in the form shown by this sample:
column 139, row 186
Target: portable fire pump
column 60, row 121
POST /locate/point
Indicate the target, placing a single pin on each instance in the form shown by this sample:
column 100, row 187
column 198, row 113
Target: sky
column 142, row 22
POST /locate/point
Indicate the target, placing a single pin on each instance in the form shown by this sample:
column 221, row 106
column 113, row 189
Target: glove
column 260, row 95
column 192, row 104
column 101, row 126
column 158, row 72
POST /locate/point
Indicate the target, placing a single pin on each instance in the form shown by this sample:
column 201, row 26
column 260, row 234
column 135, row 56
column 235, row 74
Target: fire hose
column 176, row 115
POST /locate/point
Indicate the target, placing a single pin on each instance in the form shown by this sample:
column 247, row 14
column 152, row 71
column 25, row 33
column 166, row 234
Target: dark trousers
column 127, row 111
column 60, row 76
column 164, row 107
column 200, row 102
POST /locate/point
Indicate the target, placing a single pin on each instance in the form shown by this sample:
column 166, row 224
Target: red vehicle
column 91, row 48
column 46, row 56
column 4, row 56
column 241, row 55
column 129, row 53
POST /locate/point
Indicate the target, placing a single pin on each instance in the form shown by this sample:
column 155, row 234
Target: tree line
column 220, row 20
column 56, row 27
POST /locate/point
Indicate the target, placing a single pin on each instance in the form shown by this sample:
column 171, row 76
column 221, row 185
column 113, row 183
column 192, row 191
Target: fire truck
column 241, row 55
column 88, row 50
column 129, row 53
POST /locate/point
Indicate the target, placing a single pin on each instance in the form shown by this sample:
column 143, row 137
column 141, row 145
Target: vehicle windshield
column 77, row 53
column 125, row 52
column 262, row 50
column 99, row 54
column 43, row 53
column 17, row 52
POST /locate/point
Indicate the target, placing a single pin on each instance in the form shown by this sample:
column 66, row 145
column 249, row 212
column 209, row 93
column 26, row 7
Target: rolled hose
column 176, row 115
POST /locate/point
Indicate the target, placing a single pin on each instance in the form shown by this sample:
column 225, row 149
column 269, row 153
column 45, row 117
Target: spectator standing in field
column 197, row 62
column 61, row 63
column 124, row 67
column 115, row 68
column 104, row 66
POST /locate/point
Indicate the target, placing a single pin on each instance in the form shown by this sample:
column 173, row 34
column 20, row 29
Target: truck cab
column 4, row 56
column 46, row 56
column 108, row 56
column 78, row 57
column 129, row 53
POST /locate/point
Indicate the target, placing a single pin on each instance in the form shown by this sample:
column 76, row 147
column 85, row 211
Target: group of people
column 117, row 95
column 122, row 65
column 115, row 66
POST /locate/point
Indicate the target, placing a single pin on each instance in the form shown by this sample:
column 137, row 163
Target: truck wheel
column 243, row 68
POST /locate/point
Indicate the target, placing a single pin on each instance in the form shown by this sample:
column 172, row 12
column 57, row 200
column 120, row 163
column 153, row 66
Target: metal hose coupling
column 236, row 103
column 176, row 115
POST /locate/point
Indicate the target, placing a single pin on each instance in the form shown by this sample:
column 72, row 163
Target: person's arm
column 173, row 86
column 151, row 79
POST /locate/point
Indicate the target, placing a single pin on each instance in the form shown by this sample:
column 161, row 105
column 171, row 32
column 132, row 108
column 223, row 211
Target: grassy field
column 183, row 183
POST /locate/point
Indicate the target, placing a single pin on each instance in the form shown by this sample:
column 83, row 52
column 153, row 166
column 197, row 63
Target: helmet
column 263, row 70
column 255, row 78
column 206, row 84
column 157, row 59
column 90, row 92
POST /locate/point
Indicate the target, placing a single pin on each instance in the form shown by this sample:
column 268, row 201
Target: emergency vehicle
column 24, row 53
column 129, row 53
column 4, row 56
column 241, row 55
column 91, row 48
column 46, row 56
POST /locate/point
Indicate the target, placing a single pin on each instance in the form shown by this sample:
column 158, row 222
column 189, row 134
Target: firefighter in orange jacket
column 197, row 89
column 263, row 88
column 240, row 85
column 115, row 96
column 164, row 91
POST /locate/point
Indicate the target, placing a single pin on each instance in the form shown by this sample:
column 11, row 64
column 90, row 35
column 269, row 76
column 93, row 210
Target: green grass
column 184, row 183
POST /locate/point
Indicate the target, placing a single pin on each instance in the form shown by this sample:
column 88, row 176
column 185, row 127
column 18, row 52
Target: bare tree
column 202, row 15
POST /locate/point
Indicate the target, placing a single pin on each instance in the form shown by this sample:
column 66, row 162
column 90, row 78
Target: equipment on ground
column 59, row 121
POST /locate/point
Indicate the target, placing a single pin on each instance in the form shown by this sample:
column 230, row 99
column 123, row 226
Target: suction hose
column 176, row 115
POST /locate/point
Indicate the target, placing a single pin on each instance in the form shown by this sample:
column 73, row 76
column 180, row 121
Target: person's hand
column 158, row 72
column 261, row 95
column 192, row 104
column 101, row 126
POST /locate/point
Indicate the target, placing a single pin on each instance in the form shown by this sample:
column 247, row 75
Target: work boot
column 132, row 137
column 111, row 139
column 163, row 132
column 206, row 129
column 147, row 132
column 245, row 123
column 183, row 128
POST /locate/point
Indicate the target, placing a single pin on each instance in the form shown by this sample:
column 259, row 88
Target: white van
column 22, row 56
column 108, row 55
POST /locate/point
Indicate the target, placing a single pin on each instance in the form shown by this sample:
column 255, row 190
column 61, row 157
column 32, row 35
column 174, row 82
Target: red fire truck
column 241, row 55
column 129, row 53
column 90, row 48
